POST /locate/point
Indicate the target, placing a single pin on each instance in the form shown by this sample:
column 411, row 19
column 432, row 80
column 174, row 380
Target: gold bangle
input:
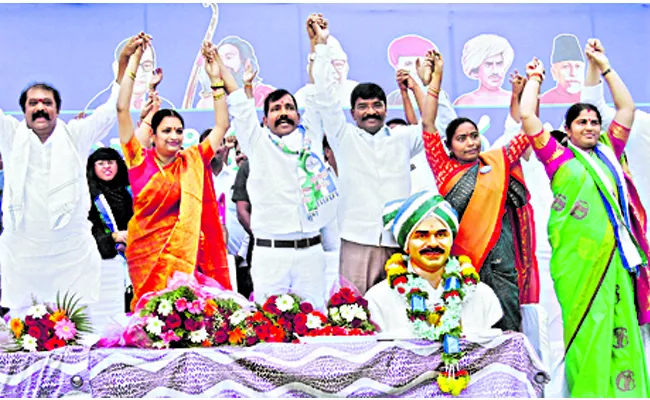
column 248, row 84
column 132, row 75
column 434, row 90
column 218, row 96
column 217, row 85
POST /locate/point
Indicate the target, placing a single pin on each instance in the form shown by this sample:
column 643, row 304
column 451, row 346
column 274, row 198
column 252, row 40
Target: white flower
column 29, row 343
column 313, row 321
column 165, row 307
column 347, row 312
column 160, row 345
column 37, row 311
column 238, row 316
column 198, row 336
column 284, row 302
column 334, row 313
column 154, row 325
column 360, row 313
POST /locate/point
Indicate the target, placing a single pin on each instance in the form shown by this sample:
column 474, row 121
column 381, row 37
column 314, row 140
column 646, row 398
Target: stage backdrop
column 74, row 47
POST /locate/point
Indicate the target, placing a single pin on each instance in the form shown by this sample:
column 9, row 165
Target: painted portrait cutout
column 339, row 81
column 486, row 58
column 402, row 53
column 567, row 70
column 143, row 77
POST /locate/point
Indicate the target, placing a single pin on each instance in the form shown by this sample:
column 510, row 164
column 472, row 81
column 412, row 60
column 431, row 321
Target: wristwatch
column 311, row 57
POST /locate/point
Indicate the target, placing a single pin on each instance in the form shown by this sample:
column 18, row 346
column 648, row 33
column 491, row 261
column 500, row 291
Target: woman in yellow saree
column 175, row 226
column 596, row 256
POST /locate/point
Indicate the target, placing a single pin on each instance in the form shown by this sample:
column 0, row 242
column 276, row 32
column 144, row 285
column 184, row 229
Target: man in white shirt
column 424, row 225
column 374, row 164
column 291, row 193
column 47, row 246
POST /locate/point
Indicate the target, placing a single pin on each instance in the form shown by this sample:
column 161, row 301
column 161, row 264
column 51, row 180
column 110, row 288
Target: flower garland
column 437, row 320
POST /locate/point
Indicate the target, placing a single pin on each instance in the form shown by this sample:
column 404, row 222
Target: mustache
column 284, row 119
column 434, row 250
column 371, row 116
column 41, row 113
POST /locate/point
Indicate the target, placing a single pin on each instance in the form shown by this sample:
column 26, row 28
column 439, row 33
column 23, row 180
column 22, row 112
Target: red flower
column 338, row 331
column 263, row 332
column 277, row 334
column 301, row 329
column 450, row 294
column 355, row 332
column 29, row 321
column 46, row 323
column 221, row 336
column 285, row 324
column 347, row 295
column 300, row 319
column 53, row 343
column 400, row 290
column 258, row 317
column 399, row 279
column 35, row 331
column 251, row 340
column 173, row 321
column 323, row 318
column 306, row 307
column 192, row 325
column 336, row 300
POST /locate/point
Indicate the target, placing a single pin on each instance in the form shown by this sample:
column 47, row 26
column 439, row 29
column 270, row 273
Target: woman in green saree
column 595, row 255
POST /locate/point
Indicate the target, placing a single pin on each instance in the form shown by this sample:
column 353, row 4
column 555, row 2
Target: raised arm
column 404, row 82
column 326, row 102
column 529, row 98
column 592, row 93
column 623, row 101
column 217, row 84
column 431, row 75
column 144, row 131
column 125, row 124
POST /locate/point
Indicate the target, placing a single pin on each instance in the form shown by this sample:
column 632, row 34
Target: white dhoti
column 277, row 271
column 40, row 264
column 111, row 294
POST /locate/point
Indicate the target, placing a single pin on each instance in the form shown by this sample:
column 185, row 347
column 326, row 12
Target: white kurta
column 388, row 309
column 36, row 260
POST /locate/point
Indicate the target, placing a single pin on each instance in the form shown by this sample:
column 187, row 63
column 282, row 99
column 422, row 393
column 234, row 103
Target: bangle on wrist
column 607, row 71
column 131, row 74
column 218, row 96
column 248, row 84
column 217, row 85
column 538, row 75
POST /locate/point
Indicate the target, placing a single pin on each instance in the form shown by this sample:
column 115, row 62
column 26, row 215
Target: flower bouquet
column 184, row 317
column 293, row 316
column 348, row 315
column 45, row 328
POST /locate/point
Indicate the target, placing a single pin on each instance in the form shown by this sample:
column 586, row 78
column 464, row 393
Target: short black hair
column 275, row 96
column 367, row 91
column 397, row 121
column 161, row 114
column 43, row 86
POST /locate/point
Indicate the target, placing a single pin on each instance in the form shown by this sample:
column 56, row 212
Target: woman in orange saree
column 175, row 226
column 489, row 193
